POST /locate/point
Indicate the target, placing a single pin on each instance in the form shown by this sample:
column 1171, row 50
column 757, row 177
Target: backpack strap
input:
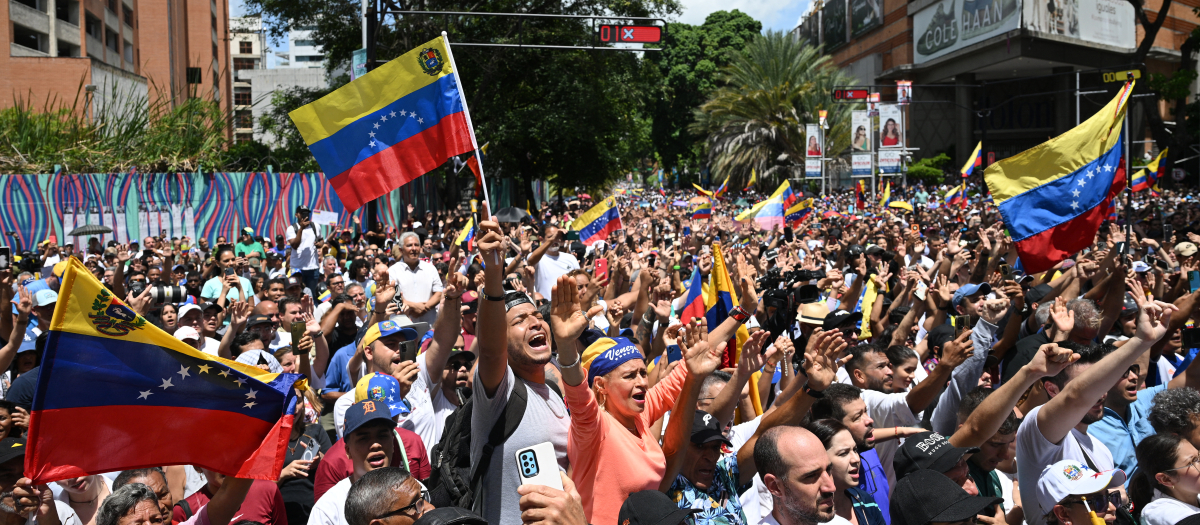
column 187, row 509
column 506, row 425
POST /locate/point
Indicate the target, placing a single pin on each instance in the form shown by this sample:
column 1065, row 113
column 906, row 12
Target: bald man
column 795, row 469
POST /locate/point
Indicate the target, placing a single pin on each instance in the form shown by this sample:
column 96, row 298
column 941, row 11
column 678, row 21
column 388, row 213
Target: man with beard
column 795, row 469
column 514, row 349
column 550, row 261
column 1057, row 430
column 844, row 403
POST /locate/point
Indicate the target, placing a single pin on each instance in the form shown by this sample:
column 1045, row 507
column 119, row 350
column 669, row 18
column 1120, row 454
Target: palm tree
column 771, row 90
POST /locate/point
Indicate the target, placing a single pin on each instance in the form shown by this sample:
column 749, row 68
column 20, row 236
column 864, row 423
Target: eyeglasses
column 414, row 506
column 1195, row 461
column 1099, row 502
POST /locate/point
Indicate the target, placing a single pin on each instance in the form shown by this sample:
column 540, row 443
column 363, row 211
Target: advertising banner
column 950, row 25
column 812, row 141
column 891, row 126
column 889, row 161
column 833, row 23
column 865, row 15
column 860, row 165
column 812, row 168
column 860, row 134
column 1107, row 22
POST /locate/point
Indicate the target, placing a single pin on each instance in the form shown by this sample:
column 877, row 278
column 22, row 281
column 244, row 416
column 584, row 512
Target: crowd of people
column 876, row 366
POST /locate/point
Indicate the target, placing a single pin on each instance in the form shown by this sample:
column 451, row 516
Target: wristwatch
column 739, row 314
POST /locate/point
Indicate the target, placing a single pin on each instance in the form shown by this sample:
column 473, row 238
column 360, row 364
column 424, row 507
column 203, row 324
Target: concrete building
column 99, row 54
column 302, row 51
column 264, row 83
column 248, row 47
column 1000, row 71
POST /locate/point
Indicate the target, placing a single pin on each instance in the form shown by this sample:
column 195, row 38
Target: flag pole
column 470, row 127
column 1128, row 175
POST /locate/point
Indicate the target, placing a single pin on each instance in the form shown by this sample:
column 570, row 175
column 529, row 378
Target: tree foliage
column 930, row 170
column 688, row 65
column 770, row 91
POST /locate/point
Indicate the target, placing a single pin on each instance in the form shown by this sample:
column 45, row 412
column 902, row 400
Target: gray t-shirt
column 545, row 419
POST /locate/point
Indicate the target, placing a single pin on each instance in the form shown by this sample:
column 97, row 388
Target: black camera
column 159, row 294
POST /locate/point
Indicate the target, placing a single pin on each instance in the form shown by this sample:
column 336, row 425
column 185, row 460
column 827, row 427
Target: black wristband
column 491, row 298
column 815, row 394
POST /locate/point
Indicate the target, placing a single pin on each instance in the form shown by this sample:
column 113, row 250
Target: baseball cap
column 10, row 448
column 364, row 412
column 1186, row 249
column 185, row 333
column 294, row 281
column 1140, row 266
column 1072, row 478
column 470, row 302
column 260, row 357
column 1037, row 293
column 970, row 289
column 940, row 335
column 302, row 207
column 813, row 313
column 45, row 297
column 211, row 305
column 381, row 388
column 29, row 342
column 187, row 308
column 652, row 507
column 873, row 249
column 928, row 450
column 256, row 320
column 926, row 496
column 706, row 429
column 383, row 329
column 1129, row 306
column 838, row 318
column 248, row 230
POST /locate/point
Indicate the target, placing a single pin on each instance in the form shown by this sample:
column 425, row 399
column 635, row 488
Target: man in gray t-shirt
column 514, row 341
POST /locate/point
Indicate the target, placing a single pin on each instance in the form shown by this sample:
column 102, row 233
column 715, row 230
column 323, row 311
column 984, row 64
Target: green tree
column 575, row 118
column 689, row 62
column 930, row 169
column 756, row 119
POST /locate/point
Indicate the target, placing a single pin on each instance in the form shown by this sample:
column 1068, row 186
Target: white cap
column 186, row 308
column 185, row 333
column 1071, row 478
column 1140, row 266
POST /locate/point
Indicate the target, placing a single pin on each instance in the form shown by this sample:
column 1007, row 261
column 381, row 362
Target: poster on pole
column 889, row 161
column 903, row 92
column 891, row 126
column 860, row 122
column 358, row 63
column 812, row 168
column 812, row 137
column 860, row 164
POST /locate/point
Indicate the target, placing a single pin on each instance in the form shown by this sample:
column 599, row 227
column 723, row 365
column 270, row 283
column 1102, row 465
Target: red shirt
column 263, row 504
column 336, row 466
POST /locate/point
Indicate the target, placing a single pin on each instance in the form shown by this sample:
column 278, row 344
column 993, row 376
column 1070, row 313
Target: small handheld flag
column 1147, row 177
column 753, row 179
column 974, row 161
column 596, row 223
column 467, row 235
column 703, row 211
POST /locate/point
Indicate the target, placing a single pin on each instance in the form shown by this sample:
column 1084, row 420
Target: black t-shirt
column 298, row 493
column 340, row 339
column 1023, row 352
column 23, row 387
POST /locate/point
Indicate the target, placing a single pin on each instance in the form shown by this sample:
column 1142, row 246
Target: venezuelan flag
column 1145, row 178
column 769, row 213
column 1054, row 196
column 831, row 214
column 467, row 235
column 753, row 179
column 974, row 161
column 476, row 169
column 724, row 188
column 719, row 300
column 115, row 392
column 693, row 306
column 599, row 221
column 390, row 126
column 902, row 205
column 797, row 213
column 887, row 196
column 956, row 195
column 703, row 211
column 702, row 190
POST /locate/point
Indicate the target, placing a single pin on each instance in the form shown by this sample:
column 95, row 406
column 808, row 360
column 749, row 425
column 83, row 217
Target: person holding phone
column 302, row 238
column 612, row 452
column 226, row 284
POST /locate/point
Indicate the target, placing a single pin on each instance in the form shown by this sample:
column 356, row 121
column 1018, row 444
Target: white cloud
column 774, row 14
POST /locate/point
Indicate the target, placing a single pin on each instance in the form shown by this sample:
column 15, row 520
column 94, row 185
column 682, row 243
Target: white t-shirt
column 304, row 257
column 550, row 268
column 1035, row 452
column 430, row 408
column 889, row 410
column 1165, row 510
column 210, row 346
column 417, row 285
column 66, row 515
column 330, row 509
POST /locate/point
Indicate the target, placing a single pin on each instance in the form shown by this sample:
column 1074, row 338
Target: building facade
column 99, row 54
column 248, row 48
column 1004, row 72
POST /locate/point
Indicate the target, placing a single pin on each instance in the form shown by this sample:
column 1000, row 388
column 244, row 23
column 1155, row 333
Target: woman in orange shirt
column 613, row 454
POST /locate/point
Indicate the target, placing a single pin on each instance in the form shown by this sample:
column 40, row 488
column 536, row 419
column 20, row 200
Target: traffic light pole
column 370, row 23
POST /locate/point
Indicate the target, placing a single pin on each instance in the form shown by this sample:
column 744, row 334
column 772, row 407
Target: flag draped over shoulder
column 115, row 393
column 599, row 221
column 390, row 126
column 1054, row 196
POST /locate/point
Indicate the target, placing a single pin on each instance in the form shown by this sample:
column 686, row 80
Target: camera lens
column 167, row 294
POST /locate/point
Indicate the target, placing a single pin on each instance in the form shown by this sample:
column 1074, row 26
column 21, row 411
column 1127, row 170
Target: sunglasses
column 423, row 497
column 1099, row 502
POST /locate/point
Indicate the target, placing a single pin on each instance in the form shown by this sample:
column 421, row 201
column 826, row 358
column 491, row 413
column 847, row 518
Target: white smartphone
column 920, row 291
column 538, row 465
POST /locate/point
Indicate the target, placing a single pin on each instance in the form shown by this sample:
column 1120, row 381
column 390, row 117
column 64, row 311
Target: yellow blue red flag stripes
column 753, row 179
column 599, row 221
column 974, row 161
column 1054, row 196
column 1148, row 176
column 467, row 235
column 887, row 196
column 388, row 127
column 702, row 190
column 719, row 300
column 702, row 211
column 769, row 213
column 796, row 214
column 115, row 392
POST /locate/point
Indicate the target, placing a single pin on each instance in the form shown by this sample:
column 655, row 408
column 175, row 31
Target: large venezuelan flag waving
column 599, row 221
column 1054, row 196
column 390, row 126
column 115, row 393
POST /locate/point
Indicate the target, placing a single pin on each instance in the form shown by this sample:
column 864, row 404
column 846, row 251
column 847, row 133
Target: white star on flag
column 383, row 119
column 224, row 373
column 144, row 394
column 412, row 114
column 403, row 113
column 376, row 125
column 183, row 372
column 1075, row 205
column 1108, row 168
column 393, row 114
column 251, row 404
column 420, row 121
column 1082, row 182
column 1075, row 193
column 252, row 394
column 166, row 384
column 372, row 144
column 372, row 134
column 239, row 381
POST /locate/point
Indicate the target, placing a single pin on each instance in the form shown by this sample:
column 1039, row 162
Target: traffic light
column 612, row 34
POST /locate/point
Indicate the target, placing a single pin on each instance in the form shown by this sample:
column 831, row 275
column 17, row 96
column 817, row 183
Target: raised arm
column 492, row 328
column 954, row 353
column 24, row 303
column 987, row 418
column 239, row 313
column 447, row 326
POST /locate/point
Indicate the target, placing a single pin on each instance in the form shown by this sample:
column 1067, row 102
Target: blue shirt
column 874, row 481
column 1120, row 436
column 337, row 379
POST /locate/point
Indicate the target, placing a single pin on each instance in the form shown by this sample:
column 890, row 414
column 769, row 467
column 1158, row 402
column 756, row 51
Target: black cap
column 11, row 447
column 837, row 318
column 366, row 411
column 706, row 429
column 928, row 450
column 302, row 207
column 256, row 320
column 1037, row 293
column 211, row 305
column 651, row 507
column 940, row 335
column 873, row 249
column 854, row 250
column 1129, row 307
column 926, row 496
